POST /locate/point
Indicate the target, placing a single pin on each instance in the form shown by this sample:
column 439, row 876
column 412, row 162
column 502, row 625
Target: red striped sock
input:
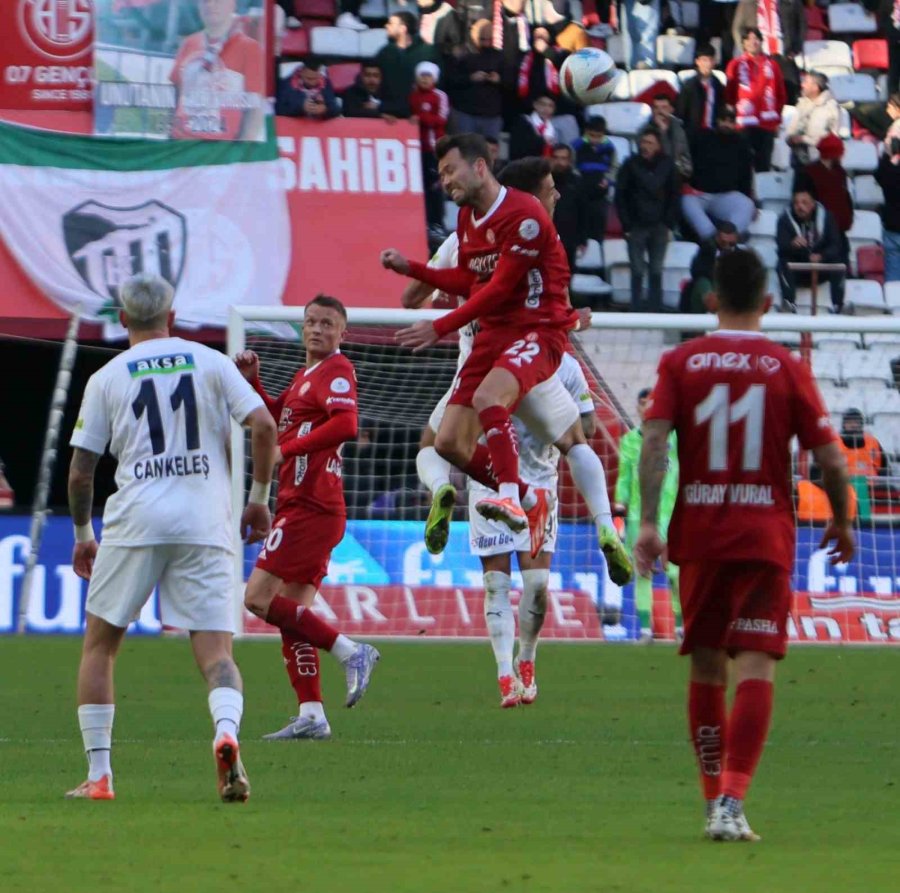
column 290, row 616
column 502, row 442
column 301, row 661
column 480, row 469
column 706, row 719
column 748, row 727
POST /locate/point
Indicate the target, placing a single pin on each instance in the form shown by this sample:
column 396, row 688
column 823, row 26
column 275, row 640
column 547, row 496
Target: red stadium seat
column 869, row 55
column 315, row 9
column 343, row 75
column 295, row 42
column 613, row 224
column 870, row 262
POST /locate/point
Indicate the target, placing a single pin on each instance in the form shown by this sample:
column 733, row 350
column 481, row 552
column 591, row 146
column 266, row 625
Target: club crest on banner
column 58, row 28
column 107, row 245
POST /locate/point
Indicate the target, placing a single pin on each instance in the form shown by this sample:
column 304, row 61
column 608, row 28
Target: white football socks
column 96, row 722
column 343, row 648
column 532, row 610
column 315, row 710
column 226, row 706
column 510, row 492
column 590, row 479
column 434, row 471
column 498, row 617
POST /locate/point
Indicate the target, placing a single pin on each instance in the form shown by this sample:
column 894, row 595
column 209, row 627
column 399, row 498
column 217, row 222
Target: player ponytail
column 739, row 281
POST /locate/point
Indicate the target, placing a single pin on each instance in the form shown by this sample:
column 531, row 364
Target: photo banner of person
column 181, row 69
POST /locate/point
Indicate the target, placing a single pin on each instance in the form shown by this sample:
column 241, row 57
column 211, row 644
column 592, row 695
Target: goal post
column 382, row 580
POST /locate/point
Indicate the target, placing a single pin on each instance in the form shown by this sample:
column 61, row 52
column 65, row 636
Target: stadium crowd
column 735, row 97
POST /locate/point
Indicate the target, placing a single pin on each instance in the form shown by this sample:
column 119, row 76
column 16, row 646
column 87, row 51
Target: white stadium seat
column 833, row 53
column 839, row 400
column 371, row 41
column 592, row 259
column 853, row 88
column 373, row 9
column 892, row 296
column 675, row 51
column 883, row 401
column 837, row 341
column 765, row 225
column 623, row 118
column 768, row 253
column 329, row 41
column 886, row 428
column 622, row 90
column 586, row 284
column 850, row 18
column 623, row 148
column 781, row 154
column 773, row 190
column 866, row 230
column 643, row 78
column 787, row 115
column 827, row 365
column 885, row 340
column 867, row 194
column 860, row 157
column 615, row 46
column 864, row 297
column 861, row 367
column 451, row 212
column 844, row 124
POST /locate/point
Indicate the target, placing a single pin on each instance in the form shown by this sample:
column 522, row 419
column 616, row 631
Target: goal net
column 382, row 580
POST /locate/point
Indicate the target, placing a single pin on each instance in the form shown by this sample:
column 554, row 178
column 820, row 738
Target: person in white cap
column 431, row 108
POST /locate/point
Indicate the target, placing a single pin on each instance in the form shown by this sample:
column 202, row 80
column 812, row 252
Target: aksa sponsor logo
column 161, row 365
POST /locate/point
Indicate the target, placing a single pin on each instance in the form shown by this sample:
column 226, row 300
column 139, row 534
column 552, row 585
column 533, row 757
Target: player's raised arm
column 256, row 519
column 247, row 362
column 836, row 482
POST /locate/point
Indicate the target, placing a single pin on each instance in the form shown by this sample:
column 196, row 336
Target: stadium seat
column 451, row 212
column 623, row 148
column 839, row 400
column 885, row 340
column 615, row 255
column 781, row 154
column 853, row 88
column 613, row 224
column 592, row 259
column 615, row 46
column 295, row 42
column 827, row 365
column 675, row 51
column 837, row 341
column 623, row 118
column 767, row 251
column 844, row 124
column 886, row 428
column 645, row 78
column 373, row 11
column 315, row 9
column 787, row 115
column 870, row 55
column 622, row 90
column 773, row 190
column 834, row 53
column 330, row 41
column 850, row 18
column 690, row 15
column 864, row 297
column 870, row 263
column 866, row 230
column 883, row 402
column 892, row 296
column 687, row 73
column 676, row 269
column 866, row 367
column 343, row 74
column 371, row 41
column 589, row 286
column 764, row 226
column 860, row 157
column 867, row 193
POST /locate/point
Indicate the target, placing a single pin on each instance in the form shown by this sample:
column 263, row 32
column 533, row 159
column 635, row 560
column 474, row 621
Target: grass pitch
column 429, row 787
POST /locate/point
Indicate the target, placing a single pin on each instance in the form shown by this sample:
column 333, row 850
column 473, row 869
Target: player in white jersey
column 548, row 410
column 494, row 544
column 164, row 407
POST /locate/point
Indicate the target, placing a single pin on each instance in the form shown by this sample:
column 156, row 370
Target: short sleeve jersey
column 446, row 258
column 165, row 407
column 215, row 88
column 517, row 225
column 315, row 480
column 736, row 400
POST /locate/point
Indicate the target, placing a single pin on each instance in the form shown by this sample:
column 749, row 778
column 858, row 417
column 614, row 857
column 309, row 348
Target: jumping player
column 735, row 400
column 495, row 546
column 316, row 415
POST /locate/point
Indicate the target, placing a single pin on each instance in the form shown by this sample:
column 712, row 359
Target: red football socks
column 290, row 616
column 706, row 718
column 301, row 661
column 502, row 442
column 481, row 469
column 748, row 727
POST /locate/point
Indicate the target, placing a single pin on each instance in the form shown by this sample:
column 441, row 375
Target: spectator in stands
column 365, row 99
column 783, row 25
column 888, row 177
column 473, row 82
column 674, row 139
column 865, row 458
column 756, row 89
column 511, row 34
column 647, row 202
column 307, row 93
column 889, row 27
column 595, row 160
column 534, row 134
column 827, row 179
column 892, row 110
column 640, row 27
column 7, row 496
column 570, row 216
column 399, row 57
column 431, row 108
column 539, row 76
column 701, row 97
column 808, row 233
column 493, row 145
column 721, row 187
column 716, row 18
column 349, row 16
column 817, row 115
column 702, row 267
column 440, row 26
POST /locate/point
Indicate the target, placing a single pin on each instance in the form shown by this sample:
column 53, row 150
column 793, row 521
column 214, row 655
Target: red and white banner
column 47, row 54
column 432, row 611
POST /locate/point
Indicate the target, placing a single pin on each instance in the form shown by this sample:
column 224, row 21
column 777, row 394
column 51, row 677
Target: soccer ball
column 589, row 76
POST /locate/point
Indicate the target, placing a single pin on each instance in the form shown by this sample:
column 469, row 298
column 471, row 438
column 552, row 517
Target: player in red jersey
column 735, row 399
column 513, row 269
column 316, row 415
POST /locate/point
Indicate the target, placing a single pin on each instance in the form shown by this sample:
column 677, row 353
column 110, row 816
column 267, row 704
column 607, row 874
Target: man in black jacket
column 701, row 97
column 807, row 233
column 722, row 184
column 647, row 202
column 889, row 28
column 365, row 99
column 703, row 265
column 570, row 215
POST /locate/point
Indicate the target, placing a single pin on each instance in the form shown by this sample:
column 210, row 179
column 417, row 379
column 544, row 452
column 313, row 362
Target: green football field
column 428, row 786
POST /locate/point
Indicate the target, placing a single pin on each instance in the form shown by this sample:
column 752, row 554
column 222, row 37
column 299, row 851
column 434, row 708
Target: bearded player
column 316, row 415
column 735, row 400
column 514, row 271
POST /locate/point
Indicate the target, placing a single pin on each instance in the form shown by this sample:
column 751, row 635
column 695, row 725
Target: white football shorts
column 488, row 538
column 196, row 585
column 437, row 414
column 548, row 410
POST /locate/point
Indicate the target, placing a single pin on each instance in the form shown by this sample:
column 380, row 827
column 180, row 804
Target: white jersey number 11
column 721, row 413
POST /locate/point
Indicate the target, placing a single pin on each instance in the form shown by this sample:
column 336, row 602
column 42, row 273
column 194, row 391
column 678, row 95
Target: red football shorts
column 735, row 605
column 298, row 547
column 532, row 356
